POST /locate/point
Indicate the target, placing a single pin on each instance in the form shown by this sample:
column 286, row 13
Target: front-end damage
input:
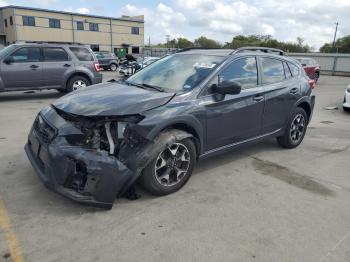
column 91, row 160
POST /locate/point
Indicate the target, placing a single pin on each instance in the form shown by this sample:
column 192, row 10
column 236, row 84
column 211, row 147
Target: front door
column 234, row 118
column 25, row 69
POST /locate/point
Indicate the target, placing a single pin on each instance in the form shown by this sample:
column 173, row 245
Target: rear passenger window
column 55, row 54
column 287, row 71
column 243, row 71
column 82, row 54
column 295, row 69
column 273, row 71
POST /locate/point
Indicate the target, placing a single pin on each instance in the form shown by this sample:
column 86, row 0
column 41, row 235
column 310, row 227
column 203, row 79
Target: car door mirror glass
column 229, row 88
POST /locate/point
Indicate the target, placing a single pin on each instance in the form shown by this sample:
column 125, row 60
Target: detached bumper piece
column 85, row 176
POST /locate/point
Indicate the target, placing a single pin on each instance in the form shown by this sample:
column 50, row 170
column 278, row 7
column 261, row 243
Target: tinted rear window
column 55, row 54
column 273, row 71
column 82, row 54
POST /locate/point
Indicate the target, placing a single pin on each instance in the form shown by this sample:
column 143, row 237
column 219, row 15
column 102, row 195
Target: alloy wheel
column 113, row 67
column 78, row 84
column 297, row 128
column 172, row 164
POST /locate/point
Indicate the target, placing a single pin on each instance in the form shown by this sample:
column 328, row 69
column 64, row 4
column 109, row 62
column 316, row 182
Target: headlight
column 348, row 89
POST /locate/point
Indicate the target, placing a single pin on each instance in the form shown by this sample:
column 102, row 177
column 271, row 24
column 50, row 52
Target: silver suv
column 65, row 67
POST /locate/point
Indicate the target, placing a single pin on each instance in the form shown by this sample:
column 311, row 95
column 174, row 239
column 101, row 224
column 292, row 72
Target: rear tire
column 113, row 67
column 170, row 169
column 76, row 83
column 295, row 129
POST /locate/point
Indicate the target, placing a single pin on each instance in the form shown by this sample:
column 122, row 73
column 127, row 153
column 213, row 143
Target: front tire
column 170, row 169
column 295, row 129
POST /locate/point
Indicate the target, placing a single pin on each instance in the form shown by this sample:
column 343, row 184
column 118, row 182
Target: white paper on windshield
column 204, row 65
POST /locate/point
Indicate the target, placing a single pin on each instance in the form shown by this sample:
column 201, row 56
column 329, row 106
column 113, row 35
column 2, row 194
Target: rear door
column 57, row 64
column 282, row 91
column 234, row 118
column 26, row 70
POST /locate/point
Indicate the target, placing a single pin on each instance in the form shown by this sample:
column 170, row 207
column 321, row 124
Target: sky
column 313, row 20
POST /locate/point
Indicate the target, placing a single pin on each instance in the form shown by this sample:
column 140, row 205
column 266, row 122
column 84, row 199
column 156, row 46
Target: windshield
column 177, row 73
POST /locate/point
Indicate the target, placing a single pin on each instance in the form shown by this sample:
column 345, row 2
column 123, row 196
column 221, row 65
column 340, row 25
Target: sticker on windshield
column 204, row 65
column 186, row 87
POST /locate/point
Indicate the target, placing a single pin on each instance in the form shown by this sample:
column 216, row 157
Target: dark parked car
column 92, row 145
column 311, row 67
column 36, row 66
column 108, row 61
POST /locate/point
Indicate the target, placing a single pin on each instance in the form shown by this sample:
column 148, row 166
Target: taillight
column 312, row 83
column 97, row 67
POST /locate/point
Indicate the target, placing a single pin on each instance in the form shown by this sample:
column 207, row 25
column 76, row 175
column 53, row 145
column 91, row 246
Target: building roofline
column 72, row 13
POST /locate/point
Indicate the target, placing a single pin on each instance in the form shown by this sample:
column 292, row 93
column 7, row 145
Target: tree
column 267, row 41
column 184, row 43
column 206, row 43
column 177, row 43
column 342, row 45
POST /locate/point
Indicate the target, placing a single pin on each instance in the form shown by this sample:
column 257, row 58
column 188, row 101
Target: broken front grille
column 43, row 130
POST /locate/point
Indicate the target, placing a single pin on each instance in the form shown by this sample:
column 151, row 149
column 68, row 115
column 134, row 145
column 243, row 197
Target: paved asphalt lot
column 262, row 203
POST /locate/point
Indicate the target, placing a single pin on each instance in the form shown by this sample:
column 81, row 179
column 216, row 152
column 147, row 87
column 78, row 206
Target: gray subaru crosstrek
column 37, row 66
column 94, row 144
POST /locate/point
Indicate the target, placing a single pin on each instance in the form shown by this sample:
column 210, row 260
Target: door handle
column 67, row 65
column 294, row 90
column 258, row 98
column 34, row 66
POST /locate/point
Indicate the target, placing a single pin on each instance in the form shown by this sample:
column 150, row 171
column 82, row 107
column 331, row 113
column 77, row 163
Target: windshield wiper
column 153, row 87
column 146, row 86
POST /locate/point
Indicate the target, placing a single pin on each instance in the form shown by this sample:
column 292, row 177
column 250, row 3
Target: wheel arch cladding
column 190, row 125
column 188, row 129
column 304, row 105
column 136, row 156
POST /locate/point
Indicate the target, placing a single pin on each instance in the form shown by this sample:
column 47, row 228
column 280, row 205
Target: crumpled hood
column 111, row 99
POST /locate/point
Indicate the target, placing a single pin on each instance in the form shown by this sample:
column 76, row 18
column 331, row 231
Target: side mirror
column 229, row 88
column 9, row 60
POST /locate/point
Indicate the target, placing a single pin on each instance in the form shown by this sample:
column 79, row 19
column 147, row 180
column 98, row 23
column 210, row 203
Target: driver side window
column 243, row 71
column 26, row 54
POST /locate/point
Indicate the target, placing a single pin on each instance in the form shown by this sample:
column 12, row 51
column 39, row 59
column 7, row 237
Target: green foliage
column 240, row 41
column 268, row 41
column 206, row 43
column 342, row 45
column 185, row 43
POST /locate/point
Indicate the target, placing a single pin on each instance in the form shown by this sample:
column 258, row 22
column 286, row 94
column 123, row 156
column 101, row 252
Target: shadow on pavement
column 29, row 95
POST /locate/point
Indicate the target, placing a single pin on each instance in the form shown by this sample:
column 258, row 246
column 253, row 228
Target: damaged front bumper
column 84, row 175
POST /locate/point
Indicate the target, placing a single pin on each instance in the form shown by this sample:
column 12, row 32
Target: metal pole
column 15, row 26
column 111, row 28
column 335, row 33
column 73, row 28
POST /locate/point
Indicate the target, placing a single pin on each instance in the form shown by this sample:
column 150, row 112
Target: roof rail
column 50, row 42
column 261, row 49
column 196, row 48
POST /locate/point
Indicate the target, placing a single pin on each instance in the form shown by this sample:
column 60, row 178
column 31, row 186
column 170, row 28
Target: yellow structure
column 118, row 35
